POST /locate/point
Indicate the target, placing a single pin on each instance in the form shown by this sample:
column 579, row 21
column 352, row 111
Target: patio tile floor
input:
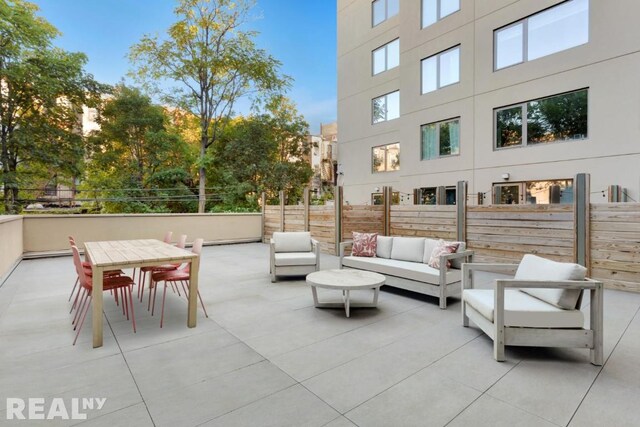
column 267, row 357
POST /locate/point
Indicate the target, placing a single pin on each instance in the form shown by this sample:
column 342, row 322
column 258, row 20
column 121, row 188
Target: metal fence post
column 281, row 195
column 581, row 215
column 388, row 199
column 263, row 200
column 461, row 211
column 307, row 202
column 338, row 200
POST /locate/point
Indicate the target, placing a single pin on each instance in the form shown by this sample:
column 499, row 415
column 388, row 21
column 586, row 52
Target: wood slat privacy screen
column 436, row 222
column 615, row 245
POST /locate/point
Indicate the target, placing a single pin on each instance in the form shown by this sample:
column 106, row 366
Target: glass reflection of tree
column 379, row 110
column 557, row 118
column 509, row 127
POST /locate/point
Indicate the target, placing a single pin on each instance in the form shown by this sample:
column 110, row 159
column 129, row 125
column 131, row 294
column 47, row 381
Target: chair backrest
column 197, row 246
column 292, row 241
column 182, row 242
column 78, row 264
column 167, row 237
column 72, row 241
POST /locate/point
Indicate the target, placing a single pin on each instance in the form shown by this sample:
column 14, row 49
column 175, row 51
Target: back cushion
column 408, row 249
column 535, row 268
column 384, row 247
column 299, row 241
column 429, row 246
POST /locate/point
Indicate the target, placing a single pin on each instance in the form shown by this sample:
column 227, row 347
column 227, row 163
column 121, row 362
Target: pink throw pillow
column 364, row 244
column 443, row 248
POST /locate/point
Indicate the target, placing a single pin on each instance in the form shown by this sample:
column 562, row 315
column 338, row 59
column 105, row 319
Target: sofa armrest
column 343, row 247
column 315, row 248
column 553, row 284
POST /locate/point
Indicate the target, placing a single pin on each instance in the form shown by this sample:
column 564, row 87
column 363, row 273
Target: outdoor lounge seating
column 293, row 254
column 539, row 307
column 404, row 262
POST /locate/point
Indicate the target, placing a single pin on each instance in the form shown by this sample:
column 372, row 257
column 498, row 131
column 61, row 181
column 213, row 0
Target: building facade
column 324, row 158
column 514, row 96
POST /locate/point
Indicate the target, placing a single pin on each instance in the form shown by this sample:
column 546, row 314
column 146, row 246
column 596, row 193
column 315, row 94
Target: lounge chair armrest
column 456, row 255
column 555, row 284
column 492, row 268
column 314, row 244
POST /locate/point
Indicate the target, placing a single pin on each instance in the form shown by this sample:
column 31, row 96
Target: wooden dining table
column 124, row 254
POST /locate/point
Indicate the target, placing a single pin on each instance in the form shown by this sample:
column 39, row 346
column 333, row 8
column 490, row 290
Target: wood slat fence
column 497, row 233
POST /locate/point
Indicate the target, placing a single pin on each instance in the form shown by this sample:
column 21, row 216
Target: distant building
column 324, row 158
column 514, row 97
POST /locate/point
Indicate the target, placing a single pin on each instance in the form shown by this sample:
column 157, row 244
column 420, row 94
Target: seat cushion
column 383, row 249
column 295, row 258
column 523, row 310
column 404, row 269
column 408, row 249
column 299, row 241
column 533, row 267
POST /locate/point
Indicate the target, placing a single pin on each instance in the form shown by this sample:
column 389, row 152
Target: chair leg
column 86, row 310
column 133, row 314
column 152, row 286
column 125, row 300
column 74, row 288
column 202, row 304
column 79, row 308
column 465, row 318
column 164, row 295
column 155, row 294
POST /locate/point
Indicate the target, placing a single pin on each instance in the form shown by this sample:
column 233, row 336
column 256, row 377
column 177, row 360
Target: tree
column 136, row 151
column 214, row 64
column 266, row 152
column 42, row 90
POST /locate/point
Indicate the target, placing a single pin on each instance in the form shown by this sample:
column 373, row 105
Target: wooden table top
column 134, row 252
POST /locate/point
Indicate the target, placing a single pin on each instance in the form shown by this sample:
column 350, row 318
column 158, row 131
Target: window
column 386, row 158
column 378, row 198
column 440, row 70
column 556, row 118
column 435, row 10
column 440, row 139
column 382, row 10
column 386, row 57
column 553, row 30
column 429, row 196
column 533, row 192
column 386, row 107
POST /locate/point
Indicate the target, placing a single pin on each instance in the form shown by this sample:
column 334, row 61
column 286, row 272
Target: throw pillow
column 364, row 244
column 443, row 248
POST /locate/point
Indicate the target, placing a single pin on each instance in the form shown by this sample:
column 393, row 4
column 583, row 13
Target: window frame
column 522, row 190
column 386, row 12
column 525, row 36
column 438, row 123
column 437, row 56
column 438, row 13
column 386, row 119
column 386, row 57
column 386, row 158
column 525, row 121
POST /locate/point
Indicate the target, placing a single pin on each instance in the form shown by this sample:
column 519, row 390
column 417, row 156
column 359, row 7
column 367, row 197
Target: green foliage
column 135, row 150
column 212, row 63
column 43, row 89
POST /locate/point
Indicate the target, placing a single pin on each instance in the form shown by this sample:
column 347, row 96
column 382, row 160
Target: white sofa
column 539, row 307
column 293, row 254
column 404, row 262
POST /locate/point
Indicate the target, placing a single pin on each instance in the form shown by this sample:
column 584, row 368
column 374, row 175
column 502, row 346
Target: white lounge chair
column 293, row 254
column 539, row 307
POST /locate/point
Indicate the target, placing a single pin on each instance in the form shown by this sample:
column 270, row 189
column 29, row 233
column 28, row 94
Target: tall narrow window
column 440, row 139
column 385, row 158
column 435, row 10
column 381, row 10
column 556, row 118
column 553, row 30
column 386, row 107
column 386, row 57
column 440, row 70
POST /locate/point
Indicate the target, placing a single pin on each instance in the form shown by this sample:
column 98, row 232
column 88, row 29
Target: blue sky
column 300, row 33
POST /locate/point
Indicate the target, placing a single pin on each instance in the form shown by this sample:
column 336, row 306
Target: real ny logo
column 39, row 408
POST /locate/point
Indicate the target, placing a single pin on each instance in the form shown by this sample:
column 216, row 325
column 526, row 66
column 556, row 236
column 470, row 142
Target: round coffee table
column 346, row 281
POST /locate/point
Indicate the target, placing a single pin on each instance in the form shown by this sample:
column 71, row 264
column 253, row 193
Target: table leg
column 346, row 303
column 376, row 292
column 314, row 291
column 97, row 305
column 193, row 292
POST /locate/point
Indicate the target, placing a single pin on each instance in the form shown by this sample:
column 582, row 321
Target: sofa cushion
column 383, row 249
column 364, row 244
column 429, row 246
column 457, row 263
column 405, row 269
column 443, row 248
column 284, row 259
column 408, row 249
column 523, row 310
column 533, row 267
column 299, row 241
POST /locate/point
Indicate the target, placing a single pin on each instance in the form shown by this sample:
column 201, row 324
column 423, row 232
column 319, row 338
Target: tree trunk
column 6, row 174
column 202, row 186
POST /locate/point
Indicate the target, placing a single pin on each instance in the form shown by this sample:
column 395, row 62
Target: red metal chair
column 88, row 270
column 181, row 276
column 142, row 276
column 114, row 284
